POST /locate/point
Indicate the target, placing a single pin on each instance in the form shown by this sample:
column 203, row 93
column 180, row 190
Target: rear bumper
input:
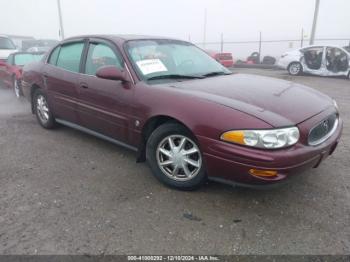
column 231, row 163
column 226, row 63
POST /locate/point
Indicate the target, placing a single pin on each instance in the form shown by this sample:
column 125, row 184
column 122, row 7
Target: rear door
column 104, row 105
column 337, row 61
column 61, row 76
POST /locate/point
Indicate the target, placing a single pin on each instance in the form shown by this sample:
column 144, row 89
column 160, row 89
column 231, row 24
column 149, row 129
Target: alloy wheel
column 179, row 158
column 42, row 109
column 17, row 88
column 295, row 69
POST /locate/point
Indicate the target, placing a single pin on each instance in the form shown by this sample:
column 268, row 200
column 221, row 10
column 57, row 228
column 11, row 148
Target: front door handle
column 84, row 85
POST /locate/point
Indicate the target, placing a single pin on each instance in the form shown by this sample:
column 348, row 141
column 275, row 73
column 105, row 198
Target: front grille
column 323, row 130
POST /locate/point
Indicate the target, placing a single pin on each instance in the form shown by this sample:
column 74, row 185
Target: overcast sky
column 236, row 19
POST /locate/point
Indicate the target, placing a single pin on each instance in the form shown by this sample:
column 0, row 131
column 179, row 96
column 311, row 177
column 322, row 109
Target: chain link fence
column 242, row 49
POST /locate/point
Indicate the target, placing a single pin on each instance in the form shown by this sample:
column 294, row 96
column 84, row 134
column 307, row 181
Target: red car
column 182, row 111
column 223, row 58
column 11, row 69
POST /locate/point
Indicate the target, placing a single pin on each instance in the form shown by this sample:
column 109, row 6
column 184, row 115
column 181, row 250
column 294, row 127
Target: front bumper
column 229, row 162
column 282, row 64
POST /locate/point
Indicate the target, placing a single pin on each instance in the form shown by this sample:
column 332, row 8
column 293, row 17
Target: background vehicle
column 11, row 70
column 182, row 111
column 38, row 45
column 6, row 47
column 254, row 58
column 223, row 58
column 317, row 60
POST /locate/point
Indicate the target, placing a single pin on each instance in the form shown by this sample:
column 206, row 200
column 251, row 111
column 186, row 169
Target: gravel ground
column 65, row 192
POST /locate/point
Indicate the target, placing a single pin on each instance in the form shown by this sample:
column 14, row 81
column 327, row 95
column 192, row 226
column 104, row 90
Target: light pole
column 61, row 31
column 314, row 23
column 205, row 28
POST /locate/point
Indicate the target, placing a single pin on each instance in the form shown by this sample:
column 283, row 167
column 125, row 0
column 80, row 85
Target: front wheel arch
column 152, row 124
column 185, row 182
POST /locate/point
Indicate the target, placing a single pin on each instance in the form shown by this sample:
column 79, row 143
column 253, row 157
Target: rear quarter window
column 54, row 55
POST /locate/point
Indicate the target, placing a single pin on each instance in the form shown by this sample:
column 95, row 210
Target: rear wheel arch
column 152, row 124
column 32, row 91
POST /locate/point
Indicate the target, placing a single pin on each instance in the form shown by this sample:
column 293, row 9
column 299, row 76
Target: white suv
column 7, row 47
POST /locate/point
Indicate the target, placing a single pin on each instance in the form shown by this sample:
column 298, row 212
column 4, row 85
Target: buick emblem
column 325, row 126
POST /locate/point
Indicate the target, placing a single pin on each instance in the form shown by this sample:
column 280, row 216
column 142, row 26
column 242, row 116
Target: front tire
column 42, row 110
column 174, row 157
column 295, row 69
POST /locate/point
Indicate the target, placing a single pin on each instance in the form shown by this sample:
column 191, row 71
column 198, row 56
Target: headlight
column 269, row 139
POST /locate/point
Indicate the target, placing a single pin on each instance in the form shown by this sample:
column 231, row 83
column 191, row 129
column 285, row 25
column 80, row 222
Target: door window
column 100, row 55
column 336, row 60
column 69, row 57
column 313, row 57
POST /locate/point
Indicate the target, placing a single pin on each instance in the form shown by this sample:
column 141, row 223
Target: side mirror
column 112, row 73
column 2, row 63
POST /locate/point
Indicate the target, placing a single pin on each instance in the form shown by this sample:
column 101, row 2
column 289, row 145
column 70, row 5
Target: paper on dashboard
column 150, row 66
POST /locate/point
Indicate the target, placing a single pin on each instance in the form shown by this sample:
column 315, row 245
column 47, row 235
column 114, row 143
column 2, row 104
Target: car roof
column 333, row 46
column 31, row 53
column 4, row 36
column 120, row 37
column 336, row 46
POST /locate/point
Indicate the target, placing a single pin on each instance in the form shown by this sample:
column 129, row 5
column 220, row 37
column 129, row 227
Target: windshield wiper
column 175, row 76
column 219, row 73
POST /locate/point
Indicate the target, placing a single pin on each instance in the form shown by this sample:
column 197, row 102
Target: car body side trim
column 96, row 134
column 60, row 97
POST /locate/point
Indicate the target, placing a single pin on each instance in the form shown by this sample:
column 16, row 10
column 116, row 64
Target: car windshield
column 6, row 43
column 23, row 59
column 157, row 59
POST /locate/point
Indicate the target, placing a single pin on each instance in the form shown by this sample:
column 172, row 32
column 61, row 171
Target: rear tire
column 174, row 157
column 42, row 110
column 295, row 69
column 17, row 87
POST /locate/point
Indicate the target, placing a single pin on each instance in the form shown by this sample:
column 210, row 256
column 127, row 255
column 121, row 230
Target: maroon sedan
column 11, row 69
column 182, row 111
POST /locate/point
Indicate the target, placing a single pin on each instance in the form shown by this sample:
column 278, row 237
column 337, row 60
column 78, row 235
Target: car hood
column 275, row 101
column 4, row 53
